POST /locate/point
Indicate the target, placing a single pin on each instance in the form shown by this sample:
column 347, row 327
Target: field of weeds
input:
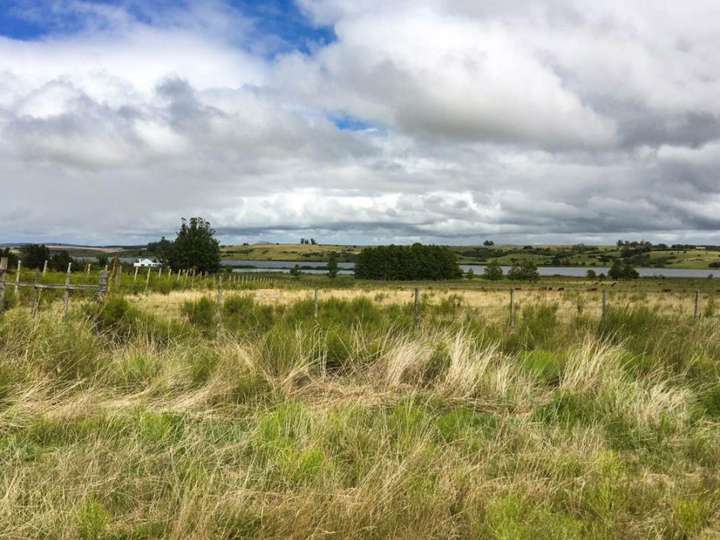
column 175, row 416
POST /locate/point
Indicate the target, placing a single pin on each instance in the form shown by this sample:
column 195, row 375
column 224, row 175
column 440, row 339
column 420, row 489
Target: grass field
column 178, row 414
column 590, row 256
column 290, row 252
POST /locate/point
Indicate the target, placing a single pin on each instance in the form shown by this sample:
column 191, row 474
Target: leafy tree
column 622, row 270
column 405, row 263
column 313, row 242
column 525, row 270
column 295, row 272
column 488, row 243
column 102, row 260
column 332, row 265
column 195, row 247
column 470, row 274
column 34, row 255
column 493, row 271
column 591, row 274
column 59, row 261
column 10, row 256
column 162, row 250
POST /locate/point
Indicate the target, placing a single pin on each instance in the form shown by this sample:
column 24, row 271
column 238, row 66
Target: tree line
column 407, row 263
column 33, row 257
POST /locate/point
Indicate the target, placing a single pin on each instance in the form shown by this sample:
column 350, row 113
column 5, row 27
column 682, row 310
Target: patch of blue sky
column 346, row 122
column 280, row 22
column 283, row 19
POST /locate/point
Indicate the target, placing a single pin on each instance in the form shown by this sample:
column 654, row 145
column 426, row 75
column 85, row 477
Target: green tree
column 34, row 255
column 622, row 270
column 470, row 274
column 10, row 256
column 525, row 270
column 195, row 247
column 591, row 274
column 295, row 272
column 332, row 265
column 406, row 263
column 59, row 261
column 102, row 260
column 162, row 250
column 493, row 271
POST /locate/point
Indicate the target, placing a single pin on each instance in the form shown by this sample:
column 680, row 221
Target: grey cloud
column 505, row 119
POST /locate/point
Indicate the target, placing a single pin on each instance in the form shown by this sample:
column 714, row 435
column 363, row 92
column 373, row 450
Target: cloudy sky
column 446, row 121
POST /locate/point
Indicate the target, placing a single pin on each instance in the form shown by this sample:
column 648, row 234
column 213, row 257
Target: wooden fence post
column 219, row 301
column 417, row 307
column 66, row 296
column 147, row 279
column 45, row 265
column 103, row 286
column 604, row 304
column 697, row 305
column 118, row 275
column 17, row 278
column 3, row 271
column 512, row 308
column 38, row 292
column 87, row 269
column 137, row 269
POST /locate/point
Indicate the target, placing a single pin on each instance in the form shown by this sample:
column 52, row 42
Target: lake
column 567, row 271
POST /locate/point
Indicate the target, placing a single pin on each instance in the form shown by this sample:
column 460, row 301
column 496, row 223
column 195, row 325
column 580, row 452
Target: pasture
column 180, row 409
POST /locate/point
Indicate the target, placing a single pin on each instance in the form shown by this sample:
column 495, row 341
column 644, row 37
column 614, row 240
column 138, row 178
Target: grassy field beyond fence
column 258, row 412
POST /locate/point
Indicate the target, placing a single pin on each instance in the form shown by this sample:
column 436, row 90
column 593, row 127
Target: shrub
column 200, row 313
column 117, row 319
column 493, row 271
column 242, row 313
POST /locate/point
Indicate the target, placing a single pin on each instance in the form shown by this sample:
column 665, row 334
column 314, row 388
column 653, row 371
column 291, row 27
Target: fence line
column 101, row 288
column 233, row 281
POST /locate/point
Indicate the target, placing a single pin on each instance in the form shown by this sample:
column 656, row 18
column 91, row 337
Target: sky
column 443, row 121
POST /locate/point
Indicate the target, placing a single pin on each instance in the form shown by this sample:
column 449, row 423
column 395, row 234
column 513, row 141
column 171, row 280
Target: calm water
column 569, row 271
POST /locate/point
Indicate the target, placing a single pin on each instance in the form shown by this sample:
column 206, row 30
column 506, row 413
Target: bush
column 242, row 313
column 120, row 321
column 493, row 271
column 115, row 317
column 200, row 313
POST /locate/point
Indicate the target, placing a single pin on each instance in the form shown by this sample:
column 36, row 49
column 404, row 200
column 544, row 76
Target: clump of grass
column 201, row 313
column 120, row 321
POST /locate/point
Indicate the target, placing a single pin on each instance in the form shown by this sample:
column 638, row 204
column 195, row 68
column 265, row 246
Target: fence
column 512, row 305
column 187, row 279
column 100, row 289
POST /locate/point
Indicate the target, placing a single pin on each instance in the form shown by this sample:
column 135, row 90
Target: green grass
column 247, row 420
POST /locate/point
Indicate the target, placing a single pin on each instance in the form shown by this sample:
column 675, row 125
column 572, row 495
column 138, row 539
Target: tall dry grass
column 124, row 423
